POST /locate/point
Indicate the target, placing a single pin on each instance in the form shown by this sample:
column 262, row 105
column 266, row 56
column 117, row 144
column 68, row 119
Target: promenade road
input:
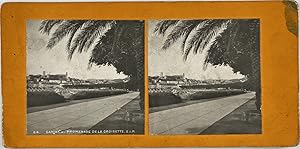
column 81, row 116
column 195, row 118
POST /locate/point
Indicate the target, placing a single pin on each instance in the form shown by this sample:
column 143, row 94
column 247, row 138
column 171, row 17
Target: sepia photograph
column 85, row 77
column 204, row 77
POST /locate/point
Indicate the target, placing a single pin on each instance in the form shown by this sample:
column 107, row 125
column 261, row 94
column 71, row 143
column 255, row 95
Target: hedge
column 95, row 93
column 214, row 94
column 47, row 97
column 42, row 98
column 163, row 98
column 167, row 97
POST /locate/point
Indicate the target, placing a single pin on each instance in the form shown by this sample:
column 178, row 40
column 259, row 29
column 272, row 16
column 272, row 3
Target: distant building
column 175, row 81
column 47, row 80
column 54, row 78
column 97, row 81
column 163, row 81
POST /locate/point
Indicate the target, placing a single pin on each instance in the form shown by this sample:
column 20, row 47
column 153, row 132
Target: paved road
column 195, row 118
column 81, row 116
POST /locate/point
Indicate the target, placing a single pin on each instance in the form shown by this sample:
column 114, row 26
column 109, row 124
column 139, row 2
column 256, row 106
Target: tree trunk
column 140, row 77
column 141, row 68
column 255, row 61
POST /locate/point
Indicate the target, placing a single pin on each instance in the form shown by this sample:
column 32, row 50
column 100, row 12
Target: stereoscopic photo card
column 150, row 74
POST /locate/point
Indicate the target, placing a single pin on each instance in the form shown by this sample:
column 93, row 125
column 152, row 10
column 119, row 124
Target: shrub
column 163, row 98
column 213, row 94
column 160, row 97
column 41, row 98
column 82, row 94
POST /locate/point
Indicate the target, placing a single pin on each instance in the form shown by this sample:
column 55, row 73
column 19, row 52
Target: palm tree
column 225, row 42
column 119, row 43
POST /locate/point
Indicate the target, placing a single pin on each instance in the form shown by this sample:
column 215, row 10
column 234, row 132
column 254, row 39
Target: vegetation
column 234, row 43
column 213, row 94
column 118, row 43
column 167, row 98
column 235, row 85
column 84, row 94
column 118, row 85
column 41, row 98
column 163, row 98
column 48, row 97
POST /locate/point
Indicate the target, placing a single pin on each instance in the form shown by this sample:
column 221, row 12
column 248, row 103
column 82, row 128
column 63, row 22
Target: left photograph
column 85, row 77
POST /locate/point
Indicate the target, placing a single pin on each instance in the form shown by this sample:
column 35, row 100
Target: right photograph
column 204, row 76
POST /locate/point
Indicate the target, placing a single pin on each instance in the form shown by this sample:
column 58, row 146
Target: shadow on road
column 235, row 123
column 128, row 118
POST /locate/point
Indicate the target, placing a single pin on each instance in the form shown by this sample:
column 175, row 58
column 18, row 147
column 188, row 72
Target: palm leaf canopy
column 235, row 43
column 112, row 42
column 226, row 42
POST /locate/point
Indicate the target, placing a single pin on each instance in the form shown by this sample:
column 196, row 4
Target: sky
column 55, row 60
column 171, row 62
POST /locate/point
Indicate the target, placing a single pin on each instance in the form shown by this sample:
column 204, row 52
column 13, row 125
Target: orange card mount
column 150, row 74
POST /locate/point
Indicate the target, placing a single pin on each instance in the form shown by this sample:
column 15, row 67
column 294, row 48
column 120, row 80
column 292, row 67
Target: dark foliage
column 116, row 43
column 235, row 43
column 42, row 98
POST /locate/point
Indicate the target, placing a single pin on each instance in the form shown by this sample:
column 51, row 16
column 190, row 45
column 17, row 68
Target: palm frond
column 120, row 50
column 64, row 29
column 188, row 32
column 87, row 35
column 182, row 28
column 47, row 25
column 202, row 31
column 162, row 26
column 215, row 35
column 204, row 36
column 72, row 34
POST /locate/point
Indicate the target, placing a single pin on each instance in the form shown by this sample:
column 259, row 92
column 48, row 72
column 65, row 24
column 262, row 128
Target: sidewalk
column 119, row 120
column 81, row 116
column 234, row 123
column 195, row 118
